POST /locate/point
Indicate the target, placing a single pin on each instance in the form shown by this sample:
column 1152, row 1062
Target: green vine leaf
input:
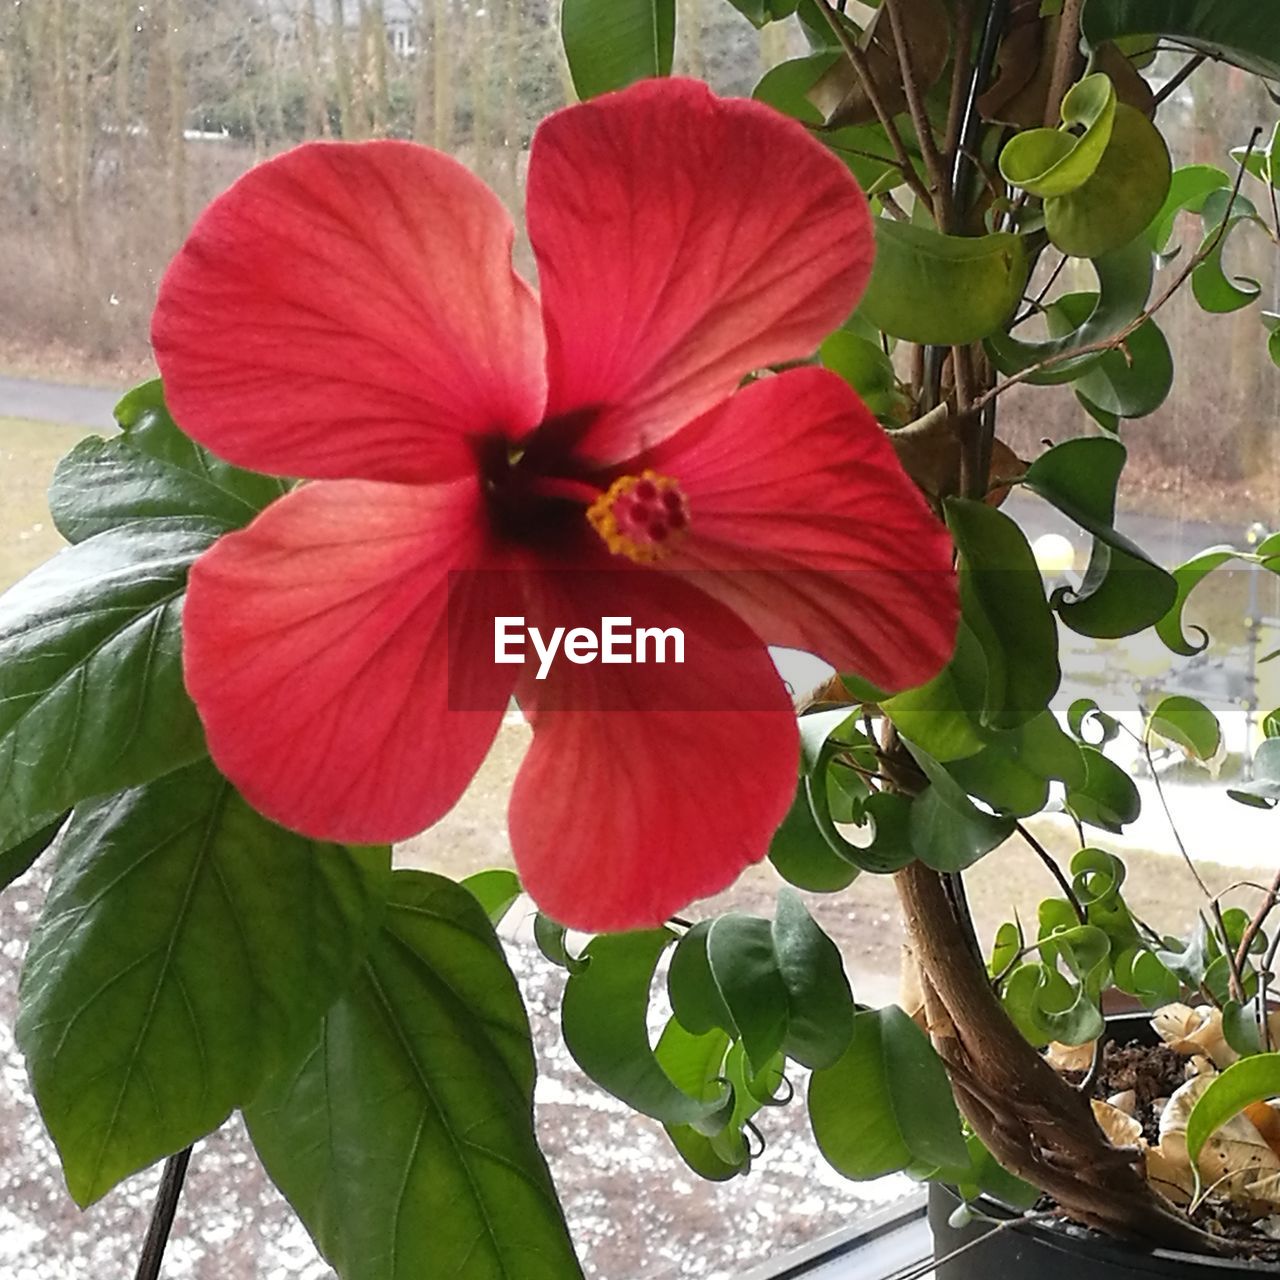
column 886, row 1103
column 604, row 1015
column 1124, row 284
column 185, row 956
column 1003, row 601
column 404, row 1138
column 931, row 288
column 1055, row 162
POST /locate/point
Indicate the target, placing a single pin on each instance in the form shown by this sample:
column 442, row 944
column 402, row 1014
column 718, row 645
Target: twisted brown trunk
column 1031, row 1119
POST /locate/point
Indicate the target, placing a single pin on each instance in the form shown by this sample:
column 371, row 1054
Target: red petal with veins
column 350, row 310
column 682, row 241
column 802, row 520
column 316, row 648
column 648, row 786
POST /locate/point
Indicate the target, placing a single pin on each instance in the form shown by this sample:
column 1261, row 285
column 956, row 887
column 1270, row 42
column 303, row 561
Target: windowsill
column 875, row 1248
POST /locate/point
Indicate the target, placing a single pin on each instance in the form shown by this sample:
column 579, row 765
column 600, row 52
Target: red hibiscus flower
column 349, row 314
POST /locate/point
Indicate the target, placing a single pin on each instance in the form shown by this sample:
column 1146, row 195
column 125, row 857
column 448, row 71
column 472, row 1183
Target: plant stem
column 1178, row 79
column 861, row 68
column 1064, row 56
column 1254, row 926
column 960, row 55
column 941, row 204
column 166, row 1206
column 1056, row 871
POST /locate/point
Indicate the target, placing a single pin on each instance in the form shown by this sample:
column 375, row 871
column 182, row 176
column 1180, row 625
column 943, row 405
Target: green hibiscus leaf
column 22, row 856
column 405, row 1139
column 151, row 471
column 496, row 890
column 1240, row 31
column 761, row 12
column 91, row 690
column 610, row 44
column 185, row 956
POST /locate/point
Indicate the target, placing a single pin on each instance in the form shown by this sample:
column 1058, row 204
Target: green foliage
column 186, row 955
column 1003, row 600
column 91, row 692
column 886, row 1104
column 1119, row 198
column 1124, row 590
column 22, row 856
column 1187, row 723
column 403, row 1135
column 1239, row 31
column 611, row 45
column 1055, row 162
column 151, row 471
column 1250, row 1080
column 948, row 831
column 931, row 288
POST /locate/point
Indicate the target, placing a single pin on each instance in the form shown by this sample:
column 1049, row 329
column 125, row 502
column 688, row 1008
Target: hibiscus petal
column 350, row 310
column 682, row 241
column 316, row 648
column 648, row 786
column 802, row 520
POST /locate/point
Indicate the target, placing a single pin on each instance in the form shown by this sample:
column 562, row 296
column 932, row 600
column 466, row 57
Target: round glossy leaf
column 944, row 290
column 1120, row 197
column 605, row 1019
column 1002, row 596
column 1124, row 283
column 1188, row 189
column 886, row 1103
column 786, row 88
column 1188, row 723
column 1108, row 797
column 1053, row 162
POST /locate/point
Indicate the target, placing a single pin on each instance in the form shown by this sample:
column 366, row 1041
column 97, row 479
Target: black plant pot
column 1059, row 1251
column 1062, row 1251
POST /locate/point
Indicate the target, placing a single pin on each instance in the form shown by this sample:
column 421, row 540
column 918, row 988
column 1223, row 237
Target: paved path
column 1168, row 541
column 56, row 402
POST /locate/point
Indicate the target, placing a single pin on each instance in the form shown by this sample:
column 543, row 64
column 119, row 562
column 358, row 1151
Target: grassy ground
column 29, row 451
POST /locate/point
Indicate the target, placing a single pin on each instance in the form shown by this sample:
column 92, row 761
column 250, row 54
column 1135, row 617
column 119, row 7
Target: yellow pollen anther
column 641, row 517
